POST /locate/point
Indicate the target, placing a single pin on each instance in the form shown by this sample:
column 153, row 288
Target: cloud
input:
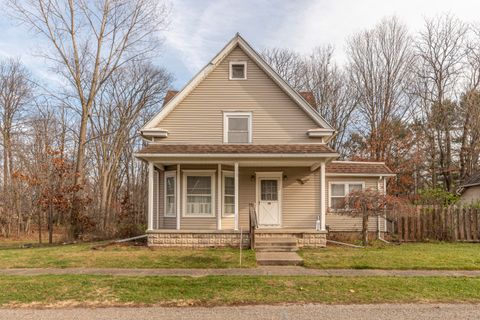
column 199, row 29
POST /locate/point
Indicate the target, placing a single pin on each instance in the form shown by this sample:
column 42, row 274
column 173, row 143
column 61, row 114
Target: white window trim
column 344, row 184
column 196, row 173
column 226, row 115
column 230, row 73
column 169, row 174
column 226, row 173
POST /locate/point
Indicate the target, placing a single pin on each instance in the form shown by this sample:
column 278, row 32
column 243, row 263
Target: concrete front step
column 278, row 259
column 276, row 242
column 263, row 248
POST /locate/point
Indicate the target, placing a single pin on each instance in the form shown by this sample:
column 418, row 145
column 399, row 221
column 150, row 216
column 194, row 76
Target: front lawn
column 77, row 290
column 435, row 256
column 81, row 255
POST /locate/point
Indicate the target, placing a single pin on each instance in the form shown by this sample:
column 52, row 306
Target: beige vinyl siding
column 344, row 223
column 471, row 195
column 300, row 202
column 198, row 119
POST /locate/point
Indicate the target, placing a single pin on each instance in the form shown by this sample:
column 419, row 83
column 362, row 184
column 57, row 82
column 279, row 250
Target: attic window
column 238, row 70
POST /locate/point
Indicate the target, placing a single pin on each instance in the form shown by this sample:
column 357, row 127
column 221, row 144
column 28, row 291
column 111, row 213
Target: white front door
column 269, row 201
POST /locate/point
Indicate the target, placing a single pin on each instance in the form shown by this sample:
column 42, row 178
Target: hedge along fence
column 438, row 223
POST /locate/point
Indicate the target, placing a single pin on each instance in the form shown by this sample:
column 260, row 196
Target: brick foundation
column 217, row 239
column 197, row 239
column 304, row 239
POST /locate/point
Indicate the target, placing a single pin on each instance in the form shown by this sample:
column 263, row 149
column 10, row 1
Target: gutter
column 236, row 155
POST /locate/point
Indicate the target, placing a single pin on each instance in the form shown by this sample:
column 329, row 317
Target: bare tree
column 440, row 49
column 290, row 65
column 90, row 40
column 333, row 93
column 319, row 74
column 469, row 108
column 130, row 95
column 15, row 93
column 379, row 62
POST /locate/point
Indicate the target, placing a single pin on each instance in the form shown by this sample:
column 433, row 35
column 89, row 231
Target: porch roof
column 236, row 149
column 358, row 168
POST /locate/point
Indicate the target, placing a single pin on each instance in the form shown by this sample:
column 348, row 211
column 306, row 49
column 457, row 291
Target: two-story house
column 238, row 144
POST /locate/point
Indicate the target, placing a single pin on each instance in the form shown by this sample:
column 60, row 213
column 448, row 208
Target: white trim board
column 360, row 174
column 237, row 155
column 237, row 40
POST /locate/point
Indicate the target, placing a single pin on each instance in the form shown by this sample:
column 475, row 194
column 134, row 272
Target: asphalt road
column 310, row 311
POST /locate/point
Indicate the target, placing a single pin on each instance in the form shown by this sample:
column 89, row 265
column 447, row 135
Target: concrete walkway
column 259, row 271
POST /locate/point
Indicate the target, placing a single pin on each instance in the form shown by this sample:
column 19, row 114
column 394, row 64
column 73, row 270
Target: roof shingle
column 345, row 167
column 473, row 180
column 235, row 148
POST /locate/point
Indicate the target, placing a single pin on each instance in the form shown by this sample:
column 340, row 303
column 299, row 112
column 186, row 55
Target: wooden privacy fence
column 438, row 223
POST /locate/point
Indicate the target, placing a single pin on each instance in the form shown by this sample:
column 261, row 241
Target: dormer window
column 238, row 70
column 237, row 127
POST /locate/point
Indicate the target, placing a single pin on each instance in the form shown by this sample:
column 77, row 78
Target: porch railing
column 253, row 224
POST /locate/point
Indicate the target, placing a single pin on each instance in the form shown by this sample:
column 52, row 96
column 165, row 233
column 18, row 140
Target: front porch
column 209, row 204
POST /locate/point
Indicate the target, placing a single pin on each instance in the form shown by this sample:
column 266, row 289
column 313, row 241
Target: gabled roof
column 358, row 168
column 471, row 181
column 232, row 44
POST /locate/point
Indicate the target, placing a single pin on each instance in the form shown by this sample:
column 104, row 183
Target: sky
column 198, row 29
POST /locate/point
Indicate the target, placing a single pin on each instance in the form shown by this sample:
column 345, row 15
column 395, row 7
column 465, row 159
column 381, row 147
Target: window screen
column 238, row 129
column 199, row 195
column 228, row 195
column 338, row 192
column 238, row 71
column 170, row 206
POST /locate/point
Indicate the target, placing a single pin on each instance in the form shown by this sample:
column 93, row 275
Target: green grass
column 82, row 255
column 432, row 256
column 230, row 290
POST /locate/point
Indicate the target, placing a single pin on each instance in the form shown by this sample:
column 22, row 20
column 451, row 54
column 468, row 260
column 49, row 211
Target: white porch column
column 323, row 201
column 150, row 196
column 177, row 183
column 236, row 194
column 219, row 197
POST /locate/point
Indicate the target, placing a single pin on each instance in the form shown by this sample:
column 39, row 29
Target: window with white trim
column 237, row 127
column 170, row 194
column 228, row 194
column 339, row 191
column 199, row 191
column 238, row 70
